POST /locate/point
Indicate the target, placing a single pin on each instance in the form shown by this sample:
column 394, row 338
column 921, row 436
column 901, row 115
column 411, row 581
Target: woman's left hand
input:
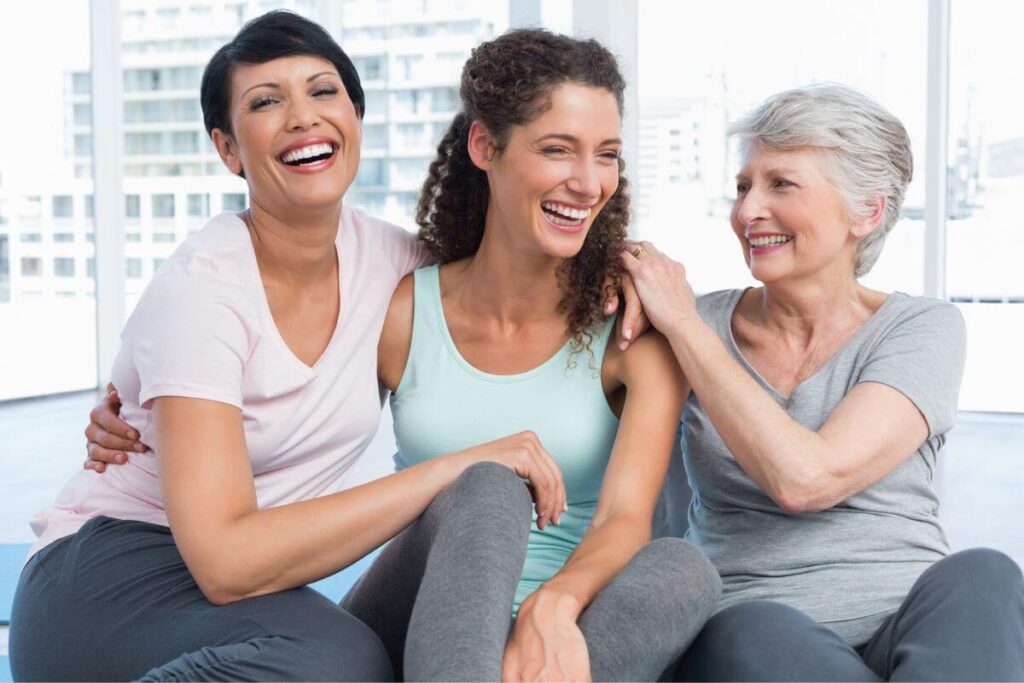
column 546, row 643
column 661, row 283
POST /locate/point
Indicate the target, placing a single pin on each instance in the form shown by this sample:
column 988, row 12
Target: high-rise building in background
column 409, row 54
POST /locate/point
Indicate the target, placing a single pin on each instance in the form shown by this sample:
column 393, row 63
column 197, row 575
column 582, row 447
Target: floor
column 980, row 475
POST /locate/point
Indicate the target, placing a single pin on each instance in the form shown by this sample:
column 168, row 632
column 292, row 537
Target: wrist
column 682, row 325
column 554, row 601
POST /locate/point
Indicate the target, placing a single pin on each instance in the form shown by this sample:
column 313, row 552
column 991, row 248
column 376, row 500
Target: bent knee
column 673, row 574
column 494, row 483
column 681, row 562
column 739, row 628
column 982, row 567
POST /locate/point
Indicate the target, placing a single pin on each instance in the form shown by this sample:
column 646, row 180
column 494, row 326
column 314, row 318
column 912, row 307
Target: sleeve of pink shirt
column 192, row 333
column 403, row 248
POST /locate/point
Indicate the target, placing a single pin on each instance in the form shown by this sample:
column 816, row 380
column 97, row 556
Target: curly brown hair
column 508, row 82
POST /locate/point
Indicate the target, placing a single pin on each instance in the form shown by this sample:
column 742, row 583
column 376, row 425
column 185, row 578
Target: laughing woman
column 249, row 365
column 818, row 410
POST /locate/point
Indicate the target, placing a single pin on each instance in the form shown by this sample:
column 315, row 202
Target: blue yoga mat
column 12, row 557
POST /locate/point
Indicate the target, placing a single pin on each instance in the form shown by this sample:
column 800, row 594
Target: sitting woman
column 249, row 365
column 525, row 208
column 818, row 409
column 504, row 345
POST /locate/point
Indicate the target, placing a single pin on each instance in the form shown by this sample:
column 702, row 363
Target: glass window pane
column 234, row 201
column 702, row 66
column 45, row 179
column 163, row 206
column 131, row 206
column 986, row 182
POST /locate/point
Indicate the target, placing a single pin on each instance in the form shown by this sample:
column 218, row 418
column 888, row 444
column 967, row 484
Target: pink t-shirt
column 203, row 329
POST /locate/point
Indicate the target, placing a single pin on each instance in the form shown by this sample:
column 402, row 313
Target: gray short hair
column 867, row 148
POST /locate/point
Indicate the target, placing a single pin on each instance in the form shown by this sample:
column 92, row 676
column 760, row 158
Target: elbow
column 809, row 494
column 220, row 585
column 218, row 591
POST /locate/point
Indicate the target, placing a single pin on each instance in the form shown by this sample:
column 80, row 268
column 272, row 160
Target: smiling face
column 296, row 133
column 790, row 217
column 555, row 173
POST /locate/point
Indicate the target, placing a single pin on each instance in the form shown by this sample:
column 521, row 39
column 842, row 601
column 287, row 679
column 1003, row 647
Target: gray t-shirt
column 850, row 566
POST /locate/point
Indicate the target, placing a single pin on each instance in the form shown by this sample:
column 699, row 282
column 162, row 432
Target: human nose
column 585, row 179
column 302, row 115
column 750, row 206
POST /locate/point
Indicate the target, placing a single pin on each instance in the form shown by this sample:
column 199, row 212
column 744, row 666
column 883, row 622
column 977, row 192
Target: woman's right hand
column 109, row 438
column 523, row 454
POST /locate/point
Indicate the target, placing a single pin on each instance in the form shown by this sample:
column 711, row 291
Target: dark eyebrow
column 573, row 139
column 278, row 85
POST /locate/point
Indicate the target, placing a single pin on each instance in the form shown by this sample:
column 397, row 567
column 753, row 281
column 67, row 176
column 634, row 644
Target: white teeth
column 768, row 241
column 306, row 152
column 566, row 211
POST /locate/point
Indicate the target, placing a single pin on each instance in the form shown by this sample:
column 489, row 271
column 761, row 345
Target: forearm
column 604, row 551
column 274, row 549
column 788, row 461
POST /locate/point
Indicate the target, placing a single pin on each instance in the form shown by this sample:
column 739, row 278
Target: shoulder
column 399, row 247
column 923, row 319
column 649, row 361
column 217, row 260
column 209, row 275
column 715, row 305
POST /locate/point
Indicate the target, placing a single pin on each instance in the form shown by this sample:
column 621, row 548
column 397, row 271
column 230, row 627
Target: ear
column 228, row 150
column 863, row 227
column 481, row 146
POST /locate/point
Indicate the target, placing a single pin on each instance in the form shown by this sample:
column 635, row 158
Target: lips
column 309, row 154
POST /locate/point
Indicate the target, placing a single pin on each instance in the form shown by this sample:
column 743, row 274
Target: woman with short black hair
column 249, row 365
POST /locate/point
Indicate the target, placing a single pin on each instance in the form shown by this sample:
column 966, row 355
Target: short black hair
column 279, row 33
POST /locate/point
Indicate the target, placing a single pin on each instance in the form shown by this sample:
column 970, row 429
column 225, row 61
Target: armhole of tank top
column 420, row 314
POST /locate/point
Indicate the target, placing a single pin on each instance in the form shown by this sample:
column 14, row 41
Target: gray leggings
column 963, row 620
column 440, row 594
column 116, row 602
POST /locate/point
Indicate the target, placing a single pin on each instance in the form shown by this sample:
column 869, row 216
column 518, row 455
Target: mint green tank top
column 444, row 404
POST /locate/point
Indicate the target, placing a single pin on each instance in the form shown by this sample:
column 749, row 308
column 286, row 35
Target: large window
column 703, row 66
column 986, row 183
column 700, row 66
column 47, row 310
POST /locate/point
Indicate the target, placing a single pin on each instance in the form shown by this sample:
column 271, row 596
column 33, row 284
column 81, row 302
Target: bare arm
column 546, row 637
column 870, row 433
column 236, row 550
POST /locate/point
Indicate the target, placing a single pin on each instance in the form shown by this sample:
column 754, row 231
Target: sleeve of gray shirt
column 922, row 357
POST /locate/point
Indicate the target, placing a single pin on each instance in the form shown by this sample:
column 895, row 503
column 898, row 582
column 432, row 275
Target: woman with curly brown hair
column 526, row 210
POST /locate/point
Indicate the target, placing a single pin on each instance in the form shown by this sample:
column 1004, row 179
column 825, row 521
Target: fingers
column 98, row 435
column 107, row 418
column 100, row 455
column 633, row 317
column 546, row 477
column 611, row 303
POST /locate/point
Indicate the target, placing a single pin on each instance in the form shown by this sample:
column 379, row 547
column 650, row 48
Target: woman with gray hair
column 817, row 411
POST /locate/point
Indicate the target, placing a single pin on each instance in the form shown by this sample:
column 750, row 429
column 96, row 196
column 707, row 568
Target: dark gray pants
column 963, row 620
column 440, row 594
column 116, row 602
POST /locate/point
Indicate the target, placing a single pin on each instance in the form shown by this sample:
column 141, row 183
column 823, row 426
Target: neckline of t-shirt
column 434, row 273
column 259, row 297
column 735, row 349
